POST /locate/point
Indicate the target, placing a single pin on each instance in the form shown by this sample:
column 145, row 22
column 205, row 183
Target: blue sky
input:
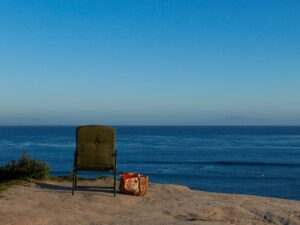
column 150, row 62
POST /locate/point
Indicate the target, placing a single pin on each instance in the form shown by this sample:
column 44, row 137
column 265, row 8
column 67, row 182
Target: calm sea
column 247, row 160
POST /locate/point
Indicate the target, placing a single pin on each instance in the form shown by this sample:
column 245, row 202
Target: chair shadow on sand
column 103, row 190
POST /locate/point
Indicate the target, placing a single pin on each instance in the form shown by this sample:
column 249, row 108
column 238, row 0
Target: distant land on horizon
column 225, row 121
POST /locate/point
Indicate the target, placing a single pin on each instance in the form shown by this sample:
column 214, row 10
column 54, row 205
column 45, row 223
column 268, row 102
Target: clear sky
column 150, row 62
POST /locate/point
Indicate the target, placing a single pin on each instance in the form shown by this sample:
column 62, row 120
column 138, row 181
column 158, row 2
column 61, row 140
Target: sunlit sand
column 50, row 202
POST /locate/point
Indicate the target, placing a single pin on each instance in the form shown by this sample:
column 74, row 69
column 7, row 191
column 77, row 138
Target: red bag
column 133, row 183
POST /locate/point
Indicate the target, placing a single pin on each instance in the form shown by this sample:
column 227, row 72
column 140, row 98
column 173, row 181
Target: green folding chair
column 95, row 151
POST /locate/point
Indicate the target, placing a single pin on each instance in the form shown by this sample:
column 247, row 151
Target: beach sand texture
column 50, row 202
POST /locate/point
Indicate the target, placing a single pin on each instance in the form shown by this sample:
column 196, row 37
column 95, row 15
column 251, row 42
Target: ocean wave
column 55, row 145
column 218, row 163
column 36, row 144
column 238, row 163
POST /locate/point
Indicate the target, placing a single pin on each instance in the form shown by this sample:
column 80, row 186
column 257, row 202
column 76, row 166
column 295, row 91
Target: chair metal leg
column 76, row 180
column 74, row 173
column 115, row 174
column 73, row 187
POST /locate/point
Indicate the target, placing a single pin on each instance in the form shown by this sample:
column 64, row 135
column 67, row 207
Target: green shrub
column 24, row 168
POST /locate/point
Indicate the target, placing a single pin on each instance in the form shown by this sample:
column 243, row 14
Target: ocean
column 254, row 160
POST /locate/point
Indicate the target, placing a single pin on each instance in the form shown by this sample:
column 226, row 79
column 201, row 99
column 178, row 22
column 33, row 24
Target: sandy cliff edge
column 50, row 202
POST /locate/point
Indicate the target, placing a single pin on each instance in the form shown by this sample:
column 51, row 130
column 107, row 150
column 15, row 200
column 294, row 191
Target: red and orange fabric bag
column 134, row 184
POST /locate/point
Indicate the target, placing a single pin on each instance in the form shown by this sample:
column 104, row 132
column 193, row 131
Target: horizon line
column 145, row 125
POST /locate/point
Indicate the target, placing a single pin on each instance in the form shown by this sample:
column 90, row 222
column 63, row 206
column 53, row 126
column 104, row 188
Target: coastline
column 50, row 202
column 250, row 160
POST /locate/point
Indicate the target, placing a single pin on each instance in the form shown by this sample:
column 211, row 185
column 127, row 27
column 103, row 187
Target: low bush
column 24, row 168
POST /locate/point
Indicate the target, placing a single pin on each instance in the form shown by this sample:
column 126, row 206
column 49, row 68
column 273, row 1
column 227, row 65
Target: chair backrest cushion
column 95, row 147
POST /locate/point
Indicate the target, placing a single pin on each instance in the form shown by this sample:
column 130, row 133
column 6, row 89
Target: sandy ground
column 51, row 202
